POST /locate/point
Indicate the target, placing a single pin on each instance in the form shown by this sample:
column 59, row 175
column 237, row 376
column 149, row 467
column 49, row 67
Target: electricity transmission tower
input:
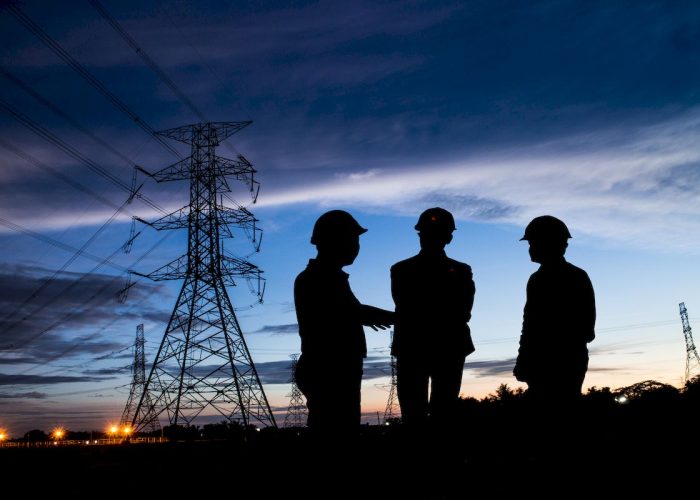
column 296, row 413
column 692, row 360
column 203, row 362
column 138, row 388
column 392, row 404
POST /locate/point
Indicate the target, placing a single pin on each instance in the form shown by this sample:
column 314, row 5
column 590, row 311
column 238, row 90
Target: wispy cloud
column 492, row 368
column 635, row 185
column 68, row 315
column 23, row 395
column 9, row 379
column 279, row 329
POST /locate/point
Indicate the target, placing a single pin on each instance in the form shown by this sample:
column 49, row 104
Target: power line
column 65, row 266
column 203, row 362
column 63, row 246
column 297, row 414
column 692, row 360
column 147, row 59
column 138, row 389
column 65, row 116
column 75, row 311
column 68, row 149
column 71, row 182
column 86, row 75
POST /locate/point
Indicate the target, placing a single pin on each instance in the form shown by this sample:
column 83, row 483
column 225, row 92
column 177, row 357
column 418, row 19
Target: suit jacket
column 434, row 296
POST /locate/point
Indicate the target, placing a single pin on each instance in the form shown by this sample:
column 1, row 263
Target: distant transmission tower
column 203, row 362
column 138, row 386
column 297, row 412
column 393, row 410
column 692, row 360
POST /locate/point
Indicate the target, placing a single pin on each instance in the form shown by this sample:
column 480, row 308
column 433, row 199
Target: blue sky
column 498, row 111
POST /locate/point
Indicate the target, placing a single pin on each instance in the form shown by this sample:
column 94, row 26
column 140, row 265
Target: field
column 497, row 450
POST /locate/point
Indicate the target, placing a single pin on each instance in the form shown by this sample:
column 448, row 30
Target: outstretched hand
column 376, row 318
column 379, row 326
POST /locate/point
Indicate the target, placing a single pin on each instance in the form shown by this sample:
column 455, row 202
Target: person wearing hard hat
column 434, row 296
column 558, row 320
column 329, row 370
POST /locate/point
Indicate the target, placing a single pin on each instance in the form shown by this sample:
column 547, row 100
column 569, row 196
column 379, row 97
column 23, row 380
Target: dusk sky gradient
column 496, row 110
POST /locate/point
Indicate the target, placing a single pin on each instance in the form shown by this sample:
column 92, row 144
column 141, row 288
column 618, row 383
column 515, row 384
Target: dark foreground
column 491, row 456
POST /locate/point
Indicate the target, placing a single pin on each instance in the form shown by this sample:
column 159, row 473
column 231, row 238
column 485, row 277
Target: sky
column 498, row 111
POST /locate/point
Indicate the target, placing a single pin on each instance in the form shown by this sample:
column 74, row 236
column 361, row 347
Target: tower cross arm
column 178, row 171
column 173, row 270
column 235, row 266
column 178, row 219
column 240, row 216
column 213, row 132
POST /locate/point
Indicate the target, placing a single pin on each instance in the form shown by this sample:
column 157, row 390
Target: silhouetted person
column 558, row 320
column 329, row 370
column 434, row 296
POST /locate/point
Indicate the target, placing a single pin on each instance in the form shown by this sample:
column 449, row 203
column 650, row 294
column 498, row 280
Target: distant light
column 622, row 399
column 87, row 442
column 113, row 429
column 127, row 430
column 3, row 436
column 257, row 429
column 58, row 433
column 95, row 441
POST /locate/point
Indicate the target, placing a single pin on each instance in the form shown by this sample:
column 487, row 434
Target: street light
column 3, row 435
column 112, row 431
column 58, row 434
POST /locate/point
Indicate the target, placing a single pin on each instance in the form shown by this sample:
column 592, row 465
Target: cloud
column 274, row 372
column 50, row 315
column 109, row 371
column 376, row 367
column 24, row 395
column 634, row 186
column 492, row 368
column 8, row 379
column 16, row 360
column 279, row 329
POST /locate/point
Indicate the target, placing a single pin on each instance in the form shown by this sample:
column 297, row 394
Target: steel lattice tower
column 203, row 362
column 691, row 354
column 297, row 412
column 138, row 385
column 392, row 404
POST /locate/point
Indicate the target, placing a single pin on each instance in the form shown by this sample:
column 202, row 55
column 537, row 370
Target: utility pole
column 692, row 360
column 138, row 389
column 297, row 412
column 392, row 410
column 203, row 366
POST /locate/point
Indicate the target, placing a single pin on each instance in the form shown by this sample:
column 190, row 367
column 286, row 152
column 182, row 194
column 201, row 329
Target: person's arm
column 521, row 368
column 375, row 317
column 588, row 312
column 470, row 292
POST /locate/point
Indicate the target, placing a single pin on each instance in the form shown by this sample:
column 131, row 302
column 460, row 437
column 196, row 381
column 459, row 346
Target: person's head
column 336, row 235
column 548, row 239
column 435, row 226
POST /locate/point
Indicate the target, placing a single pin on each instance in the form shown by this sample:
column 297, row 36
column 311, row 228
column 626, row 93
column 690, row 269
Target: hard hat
column 546, row 227
column 436, row 218
column 334, row 224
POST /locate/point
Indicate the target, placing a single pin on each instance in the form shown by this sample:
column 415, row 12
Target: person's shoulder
column 303, row 277
column 576, row 271
column 405, row 264
column 459, row 266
